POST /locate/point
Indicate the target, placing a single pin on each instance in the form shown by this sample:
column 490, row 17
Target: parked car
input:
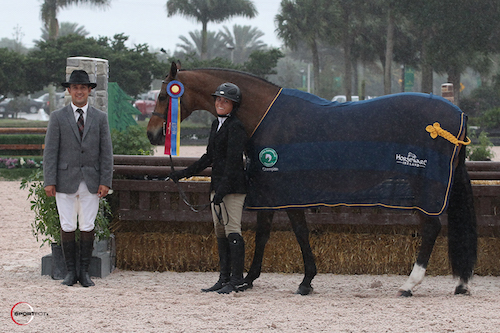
column 343, row 99
column 146, row 104
column 11, row 106
column 59, row 96
column 4, row 111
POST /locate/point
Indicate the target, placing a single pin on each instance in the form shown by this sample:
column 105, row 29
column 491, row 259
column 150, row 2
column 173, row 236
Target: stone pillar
column 98, row 70
column 447, row 92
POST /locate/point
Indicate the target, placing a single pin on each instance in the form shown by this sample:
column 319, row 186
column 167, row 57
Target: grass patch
column 19, row 123
column 14, row 174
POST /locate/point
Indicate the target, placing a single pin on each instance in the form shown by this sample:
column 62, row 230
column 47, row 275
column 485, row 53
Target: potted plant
column 46, row 227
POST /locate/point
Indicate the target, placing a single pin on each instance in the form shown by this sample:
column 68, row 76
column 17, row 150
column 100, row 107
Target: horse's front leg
column 431, row 226
column 262, row 234
column 298, row 221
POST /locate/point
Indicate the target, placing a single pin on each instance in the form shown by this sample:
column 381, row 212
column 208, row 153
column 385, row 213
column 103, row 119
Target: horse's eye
column 162, row 97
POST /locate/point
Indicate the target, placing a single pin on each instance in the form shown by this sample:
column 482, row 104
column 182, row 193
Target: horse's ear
column 178, row 65
column 173, row 70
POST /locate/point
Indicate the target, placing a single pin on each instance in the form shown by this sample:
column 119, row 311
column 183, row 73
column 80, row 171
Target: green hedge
column 22, row 138
column 14, row 174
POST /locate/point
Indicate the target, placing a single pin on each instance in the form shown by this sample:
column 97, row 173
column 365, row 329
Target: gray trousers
column 227, row 216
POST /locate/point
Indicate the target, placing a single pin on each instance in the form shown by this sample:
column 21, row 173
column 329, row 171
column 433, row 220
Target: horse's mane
column 232, row 71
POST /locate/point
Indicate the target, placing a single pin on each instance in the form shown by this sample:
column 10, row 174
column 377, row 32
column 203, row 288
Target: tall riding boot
column 237, row 249
column 86, row 247
column 69, row 251
column 224, row 265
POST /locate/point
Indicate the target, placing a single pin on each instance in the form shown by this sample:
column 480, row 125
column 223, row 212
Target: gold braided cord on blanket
column 435, row 130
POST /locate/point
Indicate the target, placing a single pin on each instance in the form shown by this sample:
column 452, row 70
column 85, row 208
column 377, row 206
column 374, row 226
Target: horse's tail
column 462, row 225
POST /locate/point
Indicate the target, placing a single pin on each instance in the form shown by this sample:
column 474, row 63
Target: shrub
column 46, row 227
column 482, row 150
column 132, row 141
column 480, row 100
column 490, row 119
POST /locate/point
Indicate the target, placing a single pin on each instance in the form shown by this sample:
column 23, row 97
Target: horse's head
column 157, row 122
column 199, row 85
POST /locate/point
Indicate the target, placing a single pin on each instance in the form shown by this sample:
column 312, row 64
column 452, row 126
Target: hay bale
column 335, row 252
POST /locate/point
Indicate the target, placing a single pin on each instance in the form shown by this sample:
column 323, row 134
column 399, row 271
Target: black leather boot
column 86, row 247
column 69, row 251
column 237, row 250
column 224, row 265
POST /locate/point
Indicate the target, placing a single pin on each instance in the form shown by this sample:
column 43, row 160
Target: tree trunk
column 427, row 80
column 204, row 33
column 53, row 28
column 355, row 77
column 315, row 59
column 347, row 58
column 454, row 77
column 388, row 54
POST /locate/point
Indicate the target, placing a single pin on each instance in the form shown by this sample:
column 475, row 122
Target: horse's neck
column 257, row 94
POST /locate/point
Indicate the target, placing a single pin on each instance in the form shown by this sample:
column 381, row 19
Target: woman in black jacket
column 228, row 186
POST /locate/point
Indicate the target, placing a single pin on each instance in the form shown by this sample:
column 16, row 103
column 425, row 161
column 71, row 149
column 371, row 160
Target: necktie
column 79, row 122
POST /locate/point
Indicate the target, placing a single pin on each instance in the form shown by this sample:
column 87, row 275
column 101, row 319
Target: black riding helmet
column 229, row 91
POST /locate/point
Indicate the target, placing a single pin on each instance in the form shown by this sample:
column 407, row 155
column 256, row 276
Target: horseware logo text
column 411, row 160
column 268, row 157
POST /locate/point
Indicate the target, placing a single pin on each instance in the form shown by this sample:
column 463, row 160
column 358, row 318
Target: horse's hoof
column 245, row 285
column 404, row 293
column 304, row 290
column 461, row 290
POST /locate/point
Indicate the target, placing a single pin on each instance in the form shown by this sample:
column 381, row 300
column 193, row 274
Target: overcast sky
column 144, row 21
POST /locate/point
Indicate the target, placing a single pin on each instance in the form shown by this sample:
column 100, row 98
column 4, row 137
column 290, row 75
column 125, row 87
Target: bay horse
column 258, row 94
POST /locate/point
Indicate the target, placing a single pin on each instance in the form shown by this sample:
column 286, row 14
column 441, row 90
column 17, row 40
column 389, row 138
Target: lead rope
column 194, row 208
column 435, row 130
column 218, row 213
column 197, row 208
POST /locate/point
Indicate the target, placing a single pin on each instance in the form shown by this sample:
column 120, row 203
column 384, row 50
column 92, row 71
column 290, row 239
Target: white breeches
column 81, row 207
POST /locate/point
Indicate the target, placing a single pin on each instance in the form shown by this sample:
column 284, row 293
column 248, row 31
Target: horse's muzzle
column 156, row 138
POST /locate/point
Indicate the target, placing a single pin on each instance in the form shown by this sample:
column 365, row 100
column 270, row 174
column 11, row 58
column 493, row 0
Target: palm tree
column 50, row 9
column 67, row 28
column 302, row 21
column 244, row 39
column 210, row 11
column 215, row 43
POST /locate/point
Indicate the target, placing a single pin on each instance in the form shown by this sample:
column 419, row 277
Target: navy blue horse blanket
column 308, row 152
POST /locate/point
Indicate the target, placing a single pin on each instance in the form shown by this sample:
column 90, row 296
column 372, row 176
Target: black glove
column 218, row 198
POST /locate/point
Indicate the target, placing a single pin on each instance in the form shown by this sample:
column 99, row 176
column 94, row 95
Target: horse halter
column 171, row 93
column 163, row 116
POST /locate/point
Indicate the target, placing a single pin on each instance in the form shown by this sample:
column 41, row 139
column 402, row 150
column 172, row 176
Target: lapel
column 70, row 117
column 91, row 112
column 222, row 128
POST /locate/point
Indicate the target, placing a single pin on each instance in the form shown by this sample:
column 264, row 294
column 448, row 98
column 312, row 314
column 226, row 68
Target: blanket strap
column 435, row 130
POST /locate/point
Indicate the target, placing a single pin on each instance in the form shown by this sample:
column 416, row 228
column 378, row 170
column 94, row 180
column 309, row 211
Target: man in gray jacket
column 78, row 170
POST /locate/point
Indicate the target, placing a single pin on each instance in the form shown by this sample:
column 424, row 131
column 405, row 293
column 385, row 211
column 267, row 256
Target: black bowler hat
column 79, row 77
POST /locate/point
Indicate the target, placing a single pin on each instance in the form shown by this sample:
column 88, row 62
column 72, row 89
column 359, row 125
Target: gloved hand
column 176, row 175
column 218, row 198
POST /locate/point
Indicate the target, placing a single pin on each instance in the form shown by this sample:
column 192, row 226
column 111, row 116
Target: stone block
column 103, row 260
column 102, row 83
column 102, row 68
column 73, row 62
